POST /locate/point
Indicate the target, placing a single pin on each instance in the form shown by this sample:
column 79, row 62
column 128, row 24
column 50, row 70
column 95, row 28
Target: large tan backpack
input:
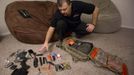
column 83, row 51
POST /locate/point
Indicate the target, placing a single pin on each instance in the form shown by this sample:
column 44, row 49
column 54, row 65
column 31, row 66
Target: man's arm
column 47, row 38
column 49, row 34
column 95, row 15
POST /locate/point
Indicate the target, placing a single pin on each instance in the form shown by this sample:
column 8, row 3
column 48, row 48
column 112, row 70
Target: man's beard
column 65, row 14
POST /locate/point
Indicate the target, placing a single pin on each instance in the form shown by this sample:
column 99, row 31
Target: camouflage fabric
column 79, row 50
column 109, row 61
column 83, row 51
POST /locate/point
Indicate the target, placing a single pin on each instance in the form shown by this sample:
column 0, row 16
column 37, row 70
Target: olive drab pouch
column 78, row 49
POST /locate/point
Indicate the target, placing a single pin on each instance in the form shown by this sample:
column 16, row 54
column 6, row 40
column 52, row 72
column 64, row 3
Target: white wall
column 126, row 10
column 124, row 6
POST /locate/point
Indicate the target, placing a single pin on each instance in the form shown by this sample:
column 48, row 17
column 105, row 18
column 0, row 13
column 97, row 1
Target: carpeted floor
column 120, row 43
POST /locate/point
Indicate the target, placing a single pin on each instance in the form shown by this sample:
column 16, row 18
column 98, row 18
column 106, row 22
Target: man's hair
column 60, row 2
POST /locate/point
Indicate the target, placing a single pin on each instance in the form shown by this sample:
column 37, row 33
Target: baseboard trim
column 129, row 27
column 6, row 33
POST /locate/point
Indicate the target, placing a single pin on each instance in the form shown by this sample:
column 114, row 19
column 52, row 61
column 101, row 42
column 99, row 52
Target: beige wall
column 127, row 12
column 124, row 6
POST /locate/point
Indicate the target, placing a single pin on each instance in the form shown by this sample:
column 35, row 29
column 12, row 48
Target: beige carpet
column 120, row 43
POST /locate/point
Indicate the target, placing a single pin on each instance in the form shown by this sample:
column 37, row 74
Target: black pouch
column 20, row 71
column 24, row 13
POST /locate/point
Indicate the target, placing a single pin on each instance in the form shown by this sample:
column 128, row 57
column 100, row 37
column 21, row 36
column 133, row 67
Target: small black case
column 35, row 62
column 24, row 13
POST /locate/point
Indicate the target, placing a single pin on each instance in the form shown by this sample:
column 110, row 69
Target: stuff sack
column 109, row 61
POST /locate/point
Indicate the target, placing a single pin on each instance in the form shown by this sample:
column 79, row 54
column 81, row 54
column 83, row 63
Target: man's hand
column 44, row 48
column 90, row 27
column 48, row 37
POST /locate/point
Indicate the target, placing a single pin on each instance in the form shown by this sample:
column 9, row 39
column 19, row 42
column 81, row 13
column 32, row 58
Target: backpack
column 83, row 51
column 78, row 49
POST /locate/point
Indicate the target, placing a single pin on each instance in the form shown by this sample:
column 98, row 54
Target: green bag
column 83, row 51
column 78, row 49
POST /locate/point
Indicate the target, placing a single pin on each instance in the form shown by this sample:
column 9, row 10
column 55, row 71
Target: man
column 67, row 19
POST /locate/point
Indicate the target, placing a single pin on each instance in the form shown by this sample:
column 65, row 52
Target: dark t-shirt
column 78, row 8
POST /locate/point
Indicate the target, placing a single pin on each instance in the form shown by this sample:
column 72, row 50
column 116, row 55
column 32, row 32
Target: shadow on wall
column 1, row 38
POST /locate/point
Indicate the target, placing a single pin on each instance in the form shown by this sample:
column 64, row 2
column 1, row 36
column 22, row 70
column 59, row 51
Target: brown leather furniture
column 30, row 30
